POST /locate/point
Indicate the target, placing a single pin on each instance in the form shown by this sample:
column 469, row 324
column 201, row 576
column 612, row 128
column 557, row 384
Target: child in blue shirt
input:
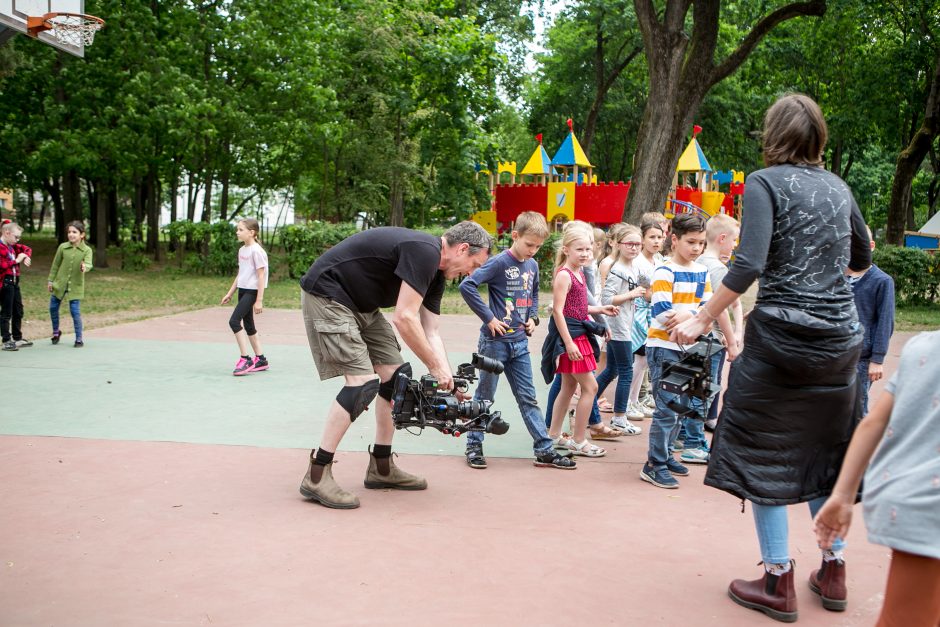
column 511, row 278
column 874, row 299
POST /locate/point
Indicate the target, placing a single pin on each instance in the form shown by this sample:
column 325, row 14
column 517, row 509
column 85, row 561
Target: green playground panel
column 185, row 392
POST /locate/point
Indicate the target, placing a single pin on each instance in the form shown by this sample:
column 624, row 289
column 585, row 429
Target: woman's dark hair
column 794, row 131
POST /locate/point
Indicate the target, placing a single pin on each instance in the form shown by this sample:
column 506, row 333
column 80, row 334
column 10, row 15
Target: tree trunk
column 681, row 71
column 192, row 190
column 207, row 199
column 58, row 216
column 153, row 213
column 140, row 201
column 71, row 196
column 100, row 229
column 900, row 209
column 114, row 227
column 226, row 177
column 91, row 189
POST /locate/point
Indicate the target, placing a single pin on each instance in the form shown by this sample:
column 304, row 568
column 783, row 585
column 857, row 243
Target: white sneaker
column 24, row 343
column 693, row 456
column 634, row 412
column 648, row 400
column 621, row 422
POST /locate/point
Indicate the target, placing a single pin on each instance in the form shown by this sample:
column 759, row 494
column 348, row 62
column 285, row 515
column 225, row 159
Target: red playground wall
column 600, row 204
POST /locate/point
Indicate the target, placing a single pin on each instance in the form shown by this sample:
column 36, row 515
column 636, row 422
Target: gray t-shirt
column 621, row 278
column 800, row 229
column 902, row 485
column 716, row 273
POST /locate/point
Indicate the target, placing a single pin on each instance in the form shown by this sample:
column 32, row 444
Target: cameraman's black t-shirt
column 365, row 271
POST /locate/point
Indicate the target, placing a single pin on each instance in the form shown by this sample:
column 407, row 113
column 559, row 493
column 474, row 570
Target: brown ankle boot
column 326, row 491
column 774, row 595
column 396, row 478
column 829, row 583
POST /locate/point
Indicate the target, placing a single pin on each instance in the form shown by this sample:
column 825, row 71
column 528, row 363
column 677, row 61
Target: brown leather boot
column 396, row 478
column 774, row 595
column 326, row 491
column 829, row 583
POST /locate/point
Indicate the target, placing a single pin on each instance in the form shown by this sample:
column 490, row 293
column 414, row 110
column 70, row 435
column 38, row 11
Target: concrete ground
column 142, row 484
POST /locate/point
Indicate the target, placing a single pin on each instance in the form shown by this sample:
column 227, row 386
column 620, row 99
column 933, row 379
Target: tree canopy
column 383, row 110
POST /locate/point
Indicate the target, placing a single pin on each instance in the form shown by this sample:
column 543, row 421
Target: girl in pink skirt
column 577, row 364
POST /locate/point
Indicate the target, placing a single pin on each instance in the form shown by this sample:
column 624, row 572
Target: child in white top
column 251, row 282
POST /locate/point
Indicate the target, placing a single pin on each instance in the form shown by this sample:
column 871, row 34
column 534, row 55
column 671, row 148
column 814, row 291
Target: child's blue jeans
column 665, row 424
column 74, row 309
column 773, row 531
column 517, row 366
column 864, row 383
column 620, row 365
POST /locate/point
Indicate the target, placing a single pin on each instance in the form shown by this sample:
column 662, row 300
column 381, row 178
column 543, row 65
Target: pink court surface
column 142, row 484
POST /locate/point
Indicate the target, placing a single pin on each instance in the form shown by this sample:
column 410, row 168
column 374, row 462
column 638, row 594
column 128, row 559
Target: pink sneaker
column 258, row 364
column 242, row 367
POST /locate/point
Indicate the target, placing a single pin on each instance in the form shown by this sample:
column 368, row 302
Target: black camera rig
column 420, row 404
column 691, row 377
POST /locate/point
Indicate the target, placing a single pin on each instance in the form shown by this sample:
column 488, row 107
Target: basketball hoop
column 73, row 29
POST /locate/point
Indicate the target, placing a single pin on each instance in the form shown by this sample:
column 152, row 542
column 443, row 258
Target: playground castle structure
column 565, row 188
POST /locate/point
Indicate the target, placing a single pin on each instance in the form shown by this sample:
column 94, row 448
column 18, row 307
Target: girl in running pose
column 251, row 281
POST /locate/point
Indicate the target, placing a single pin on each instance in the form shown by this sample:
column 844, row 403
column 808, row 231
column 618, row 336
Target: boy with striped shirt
column 680, row 287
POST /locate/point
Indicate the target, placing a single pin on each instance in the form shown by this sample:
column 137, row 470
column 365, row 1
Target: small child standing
column 680, row 288
column 902, row 500
column 251, row 282
column 621, row 288
column 648, row 260
column 67, row 279
column 873, row 290
column 721, row 233
column 12, row 254
column 570, row 339
column 512, row 278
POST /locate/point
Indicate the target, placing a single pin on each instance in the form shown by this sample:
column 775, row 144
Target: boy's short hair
column 720, row 223
column 687, row 223
column 531, row 223
column 11, row 227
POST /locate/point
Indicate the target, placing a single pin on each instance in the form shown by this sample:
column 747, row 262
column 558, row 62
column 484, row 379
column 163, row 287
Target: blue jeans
column 694, row 436
column 553, row 390
column 74, row 309
column 664, row 427
column 863, row 384
column 518, row 369
column 773, row 531
column 620, row 365
column 718, row 364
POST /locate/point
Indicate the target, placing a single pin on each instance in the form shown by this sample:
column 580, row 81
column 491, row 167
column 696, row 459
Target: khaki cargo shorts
column 343, row 341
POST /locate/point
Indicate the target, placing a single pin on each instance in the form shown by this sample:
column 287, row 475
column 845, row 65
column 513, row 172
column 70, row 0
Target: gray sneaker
column 693, row 456
column 10, row 346
column 24, row 343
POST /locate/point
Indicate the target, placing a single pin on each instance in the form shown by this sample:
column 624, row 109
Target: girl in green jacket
column 67, row 279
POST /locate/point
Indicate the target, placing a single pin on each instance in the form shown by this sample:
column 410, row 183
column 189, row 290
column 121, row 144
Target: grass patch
column 917, row 318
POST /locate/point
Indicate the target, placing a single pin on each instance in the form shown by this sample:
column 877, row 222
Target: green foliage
column 546, row 260
column 132, row 254
column 305, row 242
column 916, row 273
column 213, row 248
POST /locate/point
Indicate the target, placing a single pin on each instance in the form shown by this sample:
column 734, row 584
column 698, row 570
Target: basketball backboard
column 13, row 14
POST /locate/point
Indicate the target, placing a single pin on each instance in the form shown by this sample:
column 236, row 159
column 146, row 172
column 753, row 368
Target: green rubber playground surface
column 183, row 391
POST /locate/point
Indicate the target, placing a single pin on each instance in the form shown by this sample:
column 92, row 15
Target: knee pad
column 387, row 388
column 356, row 399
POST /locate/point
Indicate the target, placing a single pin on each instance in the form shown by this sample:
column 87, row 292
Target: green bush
column 916, row 273
column 546, row 259
column 305, row 242
column 203, row 248
column 133, row 255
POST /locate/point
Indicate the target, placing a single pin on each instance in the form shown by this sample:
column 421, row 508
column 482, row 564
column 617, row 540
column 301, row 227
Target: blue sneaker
column 676, row 468
column 661, row 478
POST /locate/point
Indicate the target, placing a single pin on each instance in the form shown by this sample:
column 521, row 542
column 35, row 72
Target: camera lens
column 486, row 363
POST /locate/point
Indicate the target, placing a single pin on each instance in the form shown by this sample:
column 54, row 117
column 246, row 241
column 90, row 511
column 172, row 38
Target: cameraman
column 791, row 405
column 342, row 294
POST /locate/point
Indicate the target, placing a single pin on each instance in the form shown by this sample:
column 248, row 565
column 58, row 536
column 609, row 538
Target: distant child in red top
column 251, row 281
column 577, row 364
column 12, row 254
